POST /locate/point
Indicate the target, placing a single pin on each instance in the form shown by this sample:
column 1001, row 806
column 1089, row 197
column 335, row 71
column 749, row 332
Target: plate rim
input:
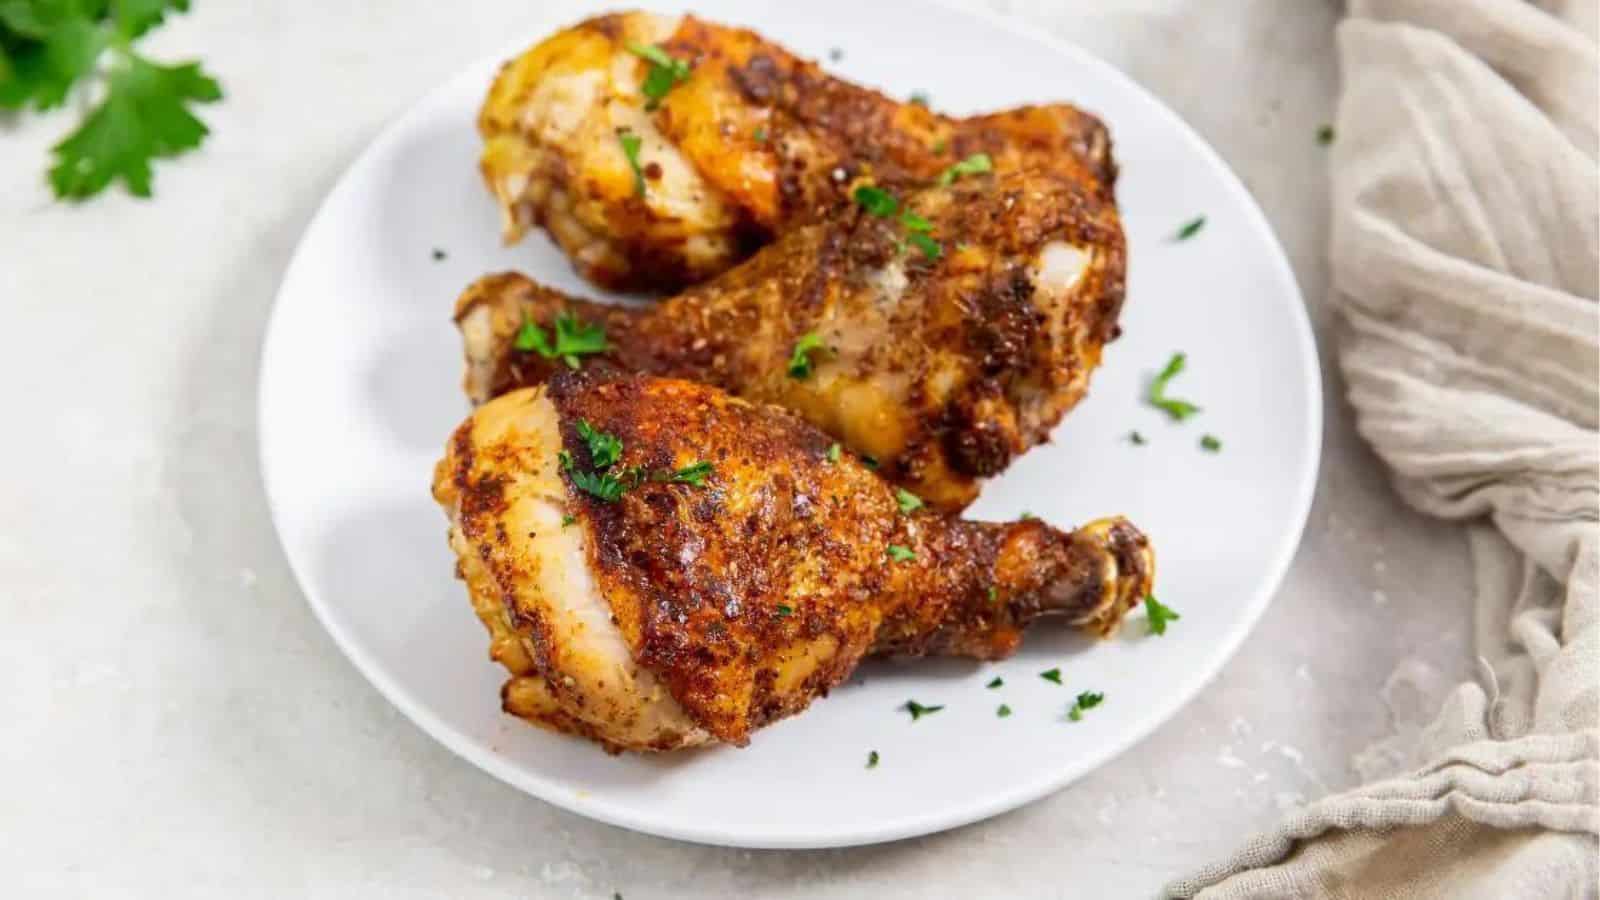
column 955, row 814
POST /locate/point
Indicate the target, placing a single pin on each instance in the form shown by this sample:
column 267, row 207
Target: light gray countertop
column 173, row 721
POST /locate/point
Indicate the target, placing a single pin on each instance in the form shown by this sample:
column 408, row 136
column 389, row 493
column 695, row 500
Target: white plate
column 359, row 391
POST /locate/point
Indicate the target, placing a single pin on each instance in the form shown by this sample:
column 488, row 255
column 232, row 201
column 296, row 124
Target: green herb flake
column 568, row 520
column 875, row 200
column 439, row 254
column 920, row 98
column 759, row 135
column 914, row 222
column 573, row 338
column 872, row 759
column 1325, row 135
column 995, row 682
column 917, row 710
column 908, row 501
column 834, row 452
column 800, row 362
column 939, row 147
column 869, row 461
column 1177, row 409
column 1026, row 517
column 665, row 73
column 1051, row 675
column 901, row 554
column 1210, row 444
column 1137, row 438
column 630, row 148
column 604, row 449
column 692, row 474
column 1086, row 701
column 1003, row 711
column 1157, row 615
column 975, row 164
column 1190, row 229
column 784, row 610
column 929, row 247
column 605, row 486
column 994, row 593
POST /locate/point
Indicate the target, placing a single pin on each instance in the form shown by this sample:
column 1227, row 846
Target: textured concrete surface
column 174, row 723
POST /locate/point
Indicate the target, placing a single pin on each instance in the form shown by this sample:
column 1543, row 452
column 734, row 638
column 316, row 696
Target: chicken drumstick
column 662, row 565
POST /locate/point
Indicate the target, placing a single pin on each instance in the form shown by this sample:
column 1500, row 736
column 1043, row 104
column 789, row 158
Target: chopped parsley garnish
column 604, row 485
column 920, row 98
column 1210, row 443
column 1086, row 700
column 1177, row 409
column 784, row 610
column 917, row 710
column 875, row 200
column 760, row 135
column 438, row 254
column 666, row 72
column 834, row 452
column 1026, row 517
column 900, row 554
column 693, row 474
column 872, row 759
column 995, row 682
column 908, row 501
column 914, row 222
column 994, row 593
column 972, row 165
column 869, row 461
column 1003, row 711
column 1157, row 615
column 929, row 247
column 1136, row 438
column 1190, row 228
column 573, row 338
column 1325, row 135
column 604, row 449
column 940, row 146
column 630, row 148
column 1051, row 675
column 568, row 520
column 800, row 364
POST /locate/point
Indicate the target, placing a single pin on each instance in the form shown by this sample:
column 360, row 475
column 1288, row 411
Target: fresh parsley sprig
column 573, row 338
column 50, row 48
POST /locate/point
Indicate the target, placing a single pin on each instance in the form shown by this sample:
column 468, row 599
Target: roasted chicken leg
column 942, row 368
column 662, row 565
column 659, row 151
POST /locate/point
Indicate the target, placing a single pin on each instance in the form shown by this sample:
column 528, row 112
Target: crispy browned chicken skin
column 940, row 369
column 753, row 141
column 684, row 608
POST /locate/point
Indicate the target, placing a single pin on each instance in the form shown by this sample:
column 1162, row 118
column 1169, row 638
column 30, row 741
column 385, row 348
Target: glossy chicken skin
column 687, row 611
column 751, row 142
column 941, row 369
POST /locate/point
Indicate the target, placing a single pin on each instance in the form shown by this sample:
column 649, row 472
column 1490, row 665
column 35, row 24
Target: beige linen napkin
column 1465, row 261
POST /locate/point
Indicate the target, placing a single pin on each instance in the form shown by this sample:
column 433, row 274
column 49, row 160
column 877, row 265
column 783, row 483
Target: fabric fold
column 1465, row 257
